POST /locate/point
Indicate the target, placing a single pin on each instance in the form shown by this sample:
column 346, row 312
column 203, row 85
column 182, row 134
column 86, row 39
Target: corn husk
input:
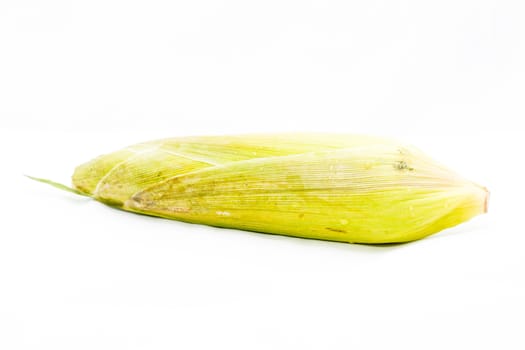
column 346, row 188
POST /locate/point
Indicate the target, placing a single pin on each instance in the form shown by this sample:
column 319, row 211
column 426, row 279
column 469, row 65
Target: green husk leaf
column 58, row 185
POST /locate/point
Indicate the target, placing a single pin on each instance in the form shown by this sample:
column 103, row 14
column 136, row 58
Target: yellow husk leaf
column 345, row 188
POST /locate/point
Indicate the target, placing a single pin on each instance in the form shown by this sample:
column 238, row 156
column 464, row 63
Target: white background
column 81, row 78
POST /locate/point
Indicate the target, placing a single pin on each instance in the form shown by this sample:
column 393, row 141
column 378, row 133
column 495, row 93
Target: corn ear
column 344, row 188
